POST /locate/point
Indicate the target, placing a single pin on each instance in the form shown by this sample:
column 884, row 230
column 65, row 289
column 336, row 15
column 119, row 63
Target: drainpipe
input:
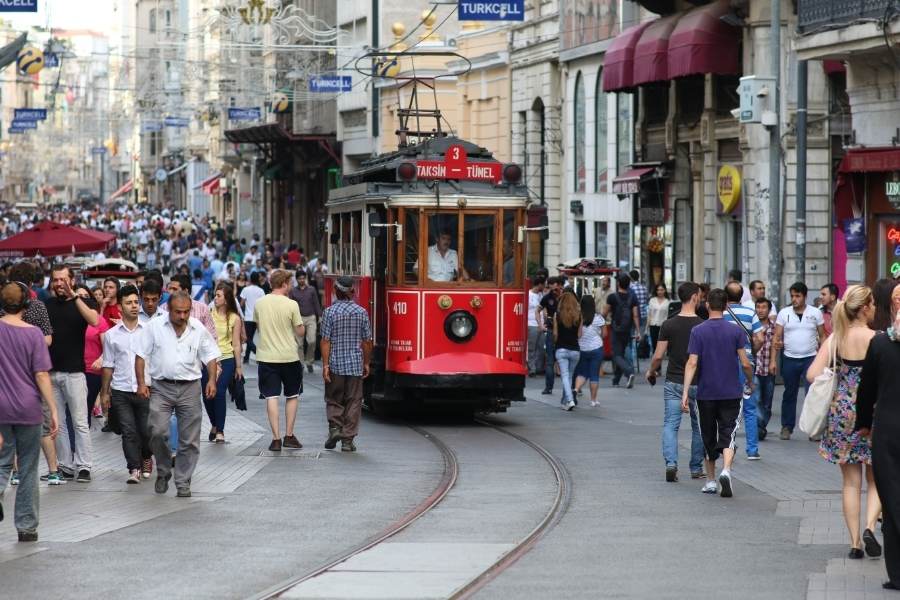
column 775, row 250
column 802, row 76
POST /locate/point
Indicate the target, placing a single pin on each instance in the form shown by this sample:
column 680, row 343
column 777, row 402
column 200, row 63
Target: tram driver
column 443, row 261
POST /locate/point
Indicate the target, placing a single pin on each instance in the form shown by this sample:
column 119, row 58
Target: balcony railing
column 829, row 14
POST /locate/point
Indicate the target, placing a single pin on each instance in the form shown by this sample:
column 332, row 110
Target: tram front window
column 478, row 246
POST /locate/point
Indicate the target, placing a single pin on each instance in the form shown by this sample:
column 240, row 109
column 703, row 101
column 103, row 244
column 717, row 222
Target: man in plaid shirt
column 346, row 350
column 764, row 354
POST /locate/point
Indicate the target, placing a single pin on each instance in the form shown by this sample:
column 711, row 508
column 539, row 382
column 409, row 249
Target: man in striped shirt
column 746, row 319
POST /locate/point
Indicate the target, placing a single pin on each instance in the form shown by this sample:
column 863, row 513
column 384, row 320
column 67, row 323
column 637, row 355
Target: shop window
column 624, row 131
column 579, row 166
column 726, row 94
column 656, row 103
column 411, row 246
column 689, row 93
column 601, row 138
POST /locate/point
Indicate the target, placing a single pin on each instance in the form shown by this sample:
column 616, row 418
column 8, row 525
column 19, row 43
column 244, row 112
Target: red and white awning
column 123, row 190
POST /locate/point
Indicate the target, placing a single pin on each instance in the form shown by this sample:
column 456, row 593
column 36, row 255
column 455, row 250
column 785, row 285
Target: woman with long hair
column 567, row 329
column 658, row 312
column 227, row 319
column 841, row 443
column 110, row 304
column 590, row 345
column 884, row 312
column 93, row 353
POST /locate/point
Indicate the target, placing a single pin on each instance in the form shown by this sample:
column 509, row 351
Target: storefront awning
column 629, row 182
column 210, row 185
column 834, row 66
column 122, row 190
column 650, row 52
column 703, row 43
column 870, row 160
column 618, row 65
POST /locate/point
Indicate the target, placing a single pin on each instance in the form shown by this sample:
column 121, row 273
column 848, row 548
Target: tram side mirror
column 545, row 227
column 376, row 225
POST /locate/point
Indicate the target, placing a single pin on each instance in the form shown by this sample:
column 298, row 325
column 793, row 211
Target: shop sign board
column 728, row 185
column 18, row 5
column 892, row 191
column 855, row 235
column 456, row 166
column 491, row 10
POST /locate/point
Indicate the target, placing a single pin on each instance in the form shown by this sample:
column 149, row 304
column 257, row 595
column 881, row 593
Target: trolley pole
column 775, row 158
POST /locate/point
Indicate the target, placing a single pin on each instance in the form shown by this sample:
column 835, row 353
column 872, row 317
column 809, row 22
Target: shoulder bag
column 814, row 415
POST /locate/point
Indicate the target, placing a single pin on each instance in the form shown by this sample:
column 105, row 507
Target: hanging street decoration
column 30, row 61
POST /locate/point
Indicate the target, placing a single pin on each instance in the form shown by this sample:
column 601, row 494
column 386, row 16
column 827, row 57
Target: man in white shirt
column 535, row 335
column 251, row 257
column 443, row 262
column 799, row 329
column 757, row 293
column 118, row 385
column 176, row 348
column 249, row 296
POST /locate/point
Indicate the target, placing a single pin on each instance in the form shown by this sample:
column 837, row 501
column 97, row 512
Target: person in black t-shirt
column 545, row 313
column 70, row 317
column 674, row 336
column 621, row 312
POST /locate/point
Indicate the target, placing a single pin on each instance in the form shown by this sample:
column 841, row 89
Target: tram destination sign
column 491, row 10
column 456, row 166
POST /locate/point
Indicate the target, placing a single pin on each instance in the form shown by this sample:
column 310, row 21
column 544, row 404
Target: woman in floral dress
column 841, row 444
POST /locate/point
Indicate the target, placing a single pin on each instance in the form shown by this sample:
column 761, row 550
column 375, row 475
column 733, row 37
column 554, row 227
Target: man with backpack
column 622, row 311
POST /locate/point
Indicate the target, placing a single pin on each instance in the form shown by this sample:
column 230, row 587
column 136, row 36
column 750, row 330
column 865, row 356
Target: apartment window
column 656, row 102
column 582, row 238
column 168, row 19
column 600, row 239
column 624, row 131
column 578, row 137
column 600, row 137
column 153, row 20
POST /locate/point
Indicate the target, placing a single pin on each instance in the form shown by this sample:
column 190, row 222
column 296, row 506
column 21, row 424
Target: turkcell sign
column 491, row 10
column 177, row 121
column 16, row 124
column 331, row 84
column 98, row 150
column 30, row 114
column 18, row 6
column 244, row 114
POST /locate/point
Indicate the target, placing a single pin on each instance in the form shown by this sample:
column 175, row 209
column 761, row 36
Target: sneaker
column 28, row 536
column 291, row 442
column 184, row 492
column 567, row 406
column 698, row 475
column 162, row 484
column 672, row 474
column 14, row 478
column 334, row 434
column 348, row 446
column 309, row 368
column 630, row 383
column 146, row 468
column 134, row 476
column 547, row 392
column 84, row 476
column 594, row 403
column 725, row 482
column 54, row 478
column 65, row 473
column 710, row 488
column 785, row 433
column 275, row 446
column 754, row 456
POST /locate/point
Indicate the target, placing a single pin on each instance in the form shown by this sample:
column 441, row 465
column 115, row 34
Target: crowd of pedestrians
column 154, row 351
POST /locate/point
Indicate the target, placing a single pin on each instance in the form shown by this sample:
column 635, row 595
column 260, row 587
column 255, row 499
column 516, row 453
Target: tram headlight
column 460, row 326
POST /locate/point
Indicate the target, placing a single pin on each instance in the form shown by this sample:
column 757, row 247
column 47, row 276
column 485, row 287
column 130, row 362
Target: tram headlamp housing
column 512, row 174
column 460, row 326
column 406, row 171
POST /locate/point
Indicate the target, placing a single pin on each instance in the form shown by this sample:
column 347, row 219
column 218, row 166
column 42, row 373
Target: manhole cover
column 309, row 455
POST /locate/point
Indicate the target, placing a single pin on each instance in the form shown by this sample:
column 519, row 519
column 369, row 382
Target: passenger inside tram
column 443, row 261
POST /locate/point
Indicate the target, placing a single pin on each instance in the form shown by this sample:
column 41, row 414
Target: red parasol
column 53, row 239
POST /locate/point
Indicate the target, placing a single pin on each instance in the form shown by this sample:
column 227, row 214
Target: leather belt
column 178, row 381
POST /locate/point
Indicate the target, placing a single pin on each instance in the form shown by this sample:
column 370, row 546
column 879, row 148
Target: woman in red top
column 93, row 350
column 110, row 302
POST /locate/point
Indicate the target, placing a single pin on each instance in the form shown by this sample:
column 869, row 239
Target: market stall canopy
column 54, row 239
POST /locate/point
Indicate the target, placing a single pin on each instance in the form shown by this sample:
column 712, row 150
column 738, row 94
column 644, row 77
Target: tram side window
column 411, row 246
column 479, row 246
column 509, row 247
column 356, row 243
column 346, row 228
column 335, row 243
column 443, row 259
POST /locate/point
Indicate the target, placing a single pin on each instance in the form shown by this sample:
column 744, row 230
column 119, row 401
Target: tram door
column 379, row 237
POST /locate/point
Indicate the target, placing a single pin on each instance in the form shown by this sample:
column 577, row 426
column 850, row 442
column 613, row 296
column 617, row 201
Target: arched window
column 578, row 136
column 600, row 137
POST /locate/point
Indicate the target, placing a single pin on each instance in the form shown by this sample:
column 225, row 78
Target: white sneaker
column 710, row 488
column 594, row 403
column 725, row 482
column 568, row 406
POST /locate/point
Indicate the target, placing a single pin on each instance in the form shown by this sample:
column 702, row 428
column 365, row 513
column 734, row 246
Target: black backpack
column 621, row 316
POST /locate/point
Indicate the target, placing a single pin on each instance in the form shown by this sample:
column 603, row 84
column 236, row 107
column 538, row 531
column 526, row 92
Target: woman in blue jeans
column 590, row 345
column 567, row 328
column 227, row 320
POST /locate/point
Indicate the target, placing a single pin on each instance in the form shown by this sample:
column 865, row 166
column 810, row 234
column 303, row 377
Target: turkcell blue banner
column 244, row 114
column 51, row 60
column 150, row 126
column 30, row 114
column 491, row 10
column 23, row 124
column 15, row 130
column 177, row 121
column 18, row 5
column 331, row 83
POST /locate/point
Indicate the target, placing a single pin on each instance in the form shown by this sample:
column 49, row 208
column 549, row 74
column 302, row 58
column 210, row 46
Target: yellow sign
column 729, row 188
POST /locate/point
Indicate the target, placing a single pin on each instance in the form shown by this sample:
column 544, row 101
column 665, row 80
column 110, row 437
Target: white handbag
column 814, row 416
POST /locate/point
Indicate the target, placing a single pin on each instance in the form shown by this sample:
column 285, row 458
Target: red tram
column 441, row 272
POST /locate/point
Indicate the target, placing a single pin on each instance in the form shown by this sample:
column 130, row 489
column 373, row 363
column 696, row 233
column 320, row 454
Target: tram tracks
column 448, row 480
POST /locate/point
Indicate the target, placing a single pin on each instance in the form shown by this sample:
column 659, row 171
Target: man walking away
column 622, row 311
column 70, row 317
column 535, row 340
column 249, row 296
column 118, row 386
column 346, row 351
column 799, row 328
column 750, row 324
column 307, row 298
column 765, row 380
column 674, row 336
column 175, row 348
column 711, row 356
column 737, row 276
column 277, row 357
column 828, row 297
column 544, row 316
column 643, row 298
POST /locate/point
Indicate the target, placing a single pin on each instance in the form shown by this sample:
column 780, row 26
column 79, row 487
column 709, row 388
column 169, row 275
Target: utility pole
column 775, row 158
column 802, row 101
